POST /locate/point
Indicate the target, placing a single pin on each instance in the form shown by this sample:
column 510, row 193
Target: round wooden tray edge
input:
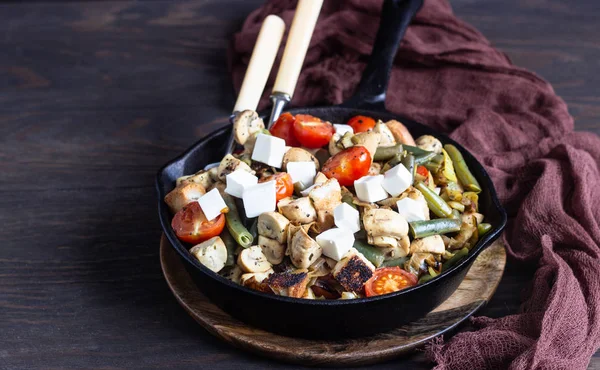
column 250, row 338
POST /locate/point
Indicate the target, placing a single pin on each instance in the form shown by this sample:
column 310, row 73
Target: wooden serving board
column 474, row 292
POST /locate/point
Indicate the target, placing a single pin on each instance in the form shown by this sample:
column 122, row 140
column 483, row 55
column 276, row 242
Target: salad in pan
column 317, row 210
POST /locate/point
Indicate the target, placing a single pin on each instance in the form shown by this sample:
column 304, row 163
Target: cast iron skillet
column 334, row 318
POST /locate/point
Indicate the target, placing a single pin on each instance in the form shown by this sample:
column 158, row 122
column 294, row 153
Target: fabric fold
column 448, row 76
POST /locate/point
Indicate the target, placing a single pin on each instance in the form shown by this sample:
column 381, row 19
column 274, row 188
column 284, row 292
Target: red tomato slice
column 388, row 280
column 283, row 184
column 284, row 128
column 311, row 131
column 361, row 123
column 191, row 226
column 421, row 170
column 348, row 165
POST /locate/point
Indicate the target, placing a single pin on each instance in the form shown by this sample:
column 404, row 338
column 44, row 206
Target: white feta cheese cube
column 411, row 209
column 269, row 150
column 346, row 217
column 304, row 172
column 369, row 189
column 238, row 180
column 336, row 242
column 396, row 180
column 342, row 129
column 212, row 204
column 259, row 198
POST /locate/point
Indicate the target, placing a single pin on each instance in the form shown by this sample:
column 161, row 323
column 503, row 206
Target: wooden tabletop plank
column 96, row 96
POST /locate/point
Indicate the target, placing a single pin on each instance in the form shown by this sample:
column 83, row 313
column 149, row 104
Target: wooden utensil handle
column 301, row 32
column 261, row 61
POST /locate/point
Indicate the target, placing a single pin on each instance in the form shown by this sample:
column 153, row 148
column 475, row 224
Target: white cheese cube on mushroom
column 396, row 180
column 336, row 242
column 238, row 180
column 346, row 217
column 212, row 204
column 411, row 209
column 303, row 172
column 269, row 150
column 342, row 129
column 259, row 198
column 369, row 189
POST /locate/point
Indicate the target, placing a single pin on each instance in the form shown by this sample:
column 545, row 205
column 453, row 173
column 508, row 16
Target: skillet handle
column 395, row 17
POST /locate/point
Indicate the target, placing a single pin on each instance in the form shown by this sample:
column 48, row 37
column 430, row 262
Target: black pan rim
column 181, row 249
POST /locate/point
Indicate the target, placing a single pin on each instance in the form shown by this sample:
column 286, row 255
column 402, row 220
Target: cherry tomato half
column 311, row 131
column 388, row 280
column 191, row 226
column 283, row 184
column 348, row 165
column 422, row 170
column 284, row 128
column 361, row 123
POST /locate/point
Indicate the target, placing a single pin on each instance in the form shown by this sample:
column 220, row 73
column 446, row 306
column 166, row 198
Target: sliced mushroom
column 202, row 177
column 375, row 169
column 272, row 249
column 300, row 211
column 233, row 273
column 369, row 139
column 245, row 124
column 299, row 155
column 386, row 136
column 325, row 197
column 253, row 260
column 214, row 173
column 429, row 143
column 333, row 146
column 229, row 164
column 212, row 253
column 183, row 195
column 431, row 244
column 292, row 229
column 273, row 225
column 304, row 249
column 400, row 132
column 384, row 222
column 392, row 247
column 417, row 264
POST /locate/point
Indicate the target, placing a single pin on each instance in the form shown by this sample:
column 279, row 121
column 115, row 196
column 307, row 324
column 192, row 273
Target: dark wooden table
column 96, row 96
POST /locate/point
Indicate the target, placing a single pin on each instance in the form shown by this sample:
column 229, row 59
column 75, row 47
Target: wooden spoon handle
column 301, row 32
column 261, row 61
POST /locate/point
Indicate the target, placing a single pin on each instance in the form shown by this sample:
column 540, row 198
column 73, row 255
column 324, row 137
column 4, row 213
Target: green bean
column 455, row 259
column 254, row 229
column 425, row 278
column 235, row 225
column 435, row 163
column 424, row 158
column 409, row 162
column 231, row 246
column 395, row 262
column 384, row 153
column 455, row 215
column 436, row 204
column 483, row 228
column 463, row 173
column 422, row 229
column 373, row 254
column 395, row 160
column 456, row 205
column 414, row 150
column 347, row 198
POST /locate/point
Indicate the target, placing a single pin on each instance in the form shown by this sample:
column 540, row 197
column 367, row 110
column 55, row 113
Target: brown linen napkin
column 448, row 76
